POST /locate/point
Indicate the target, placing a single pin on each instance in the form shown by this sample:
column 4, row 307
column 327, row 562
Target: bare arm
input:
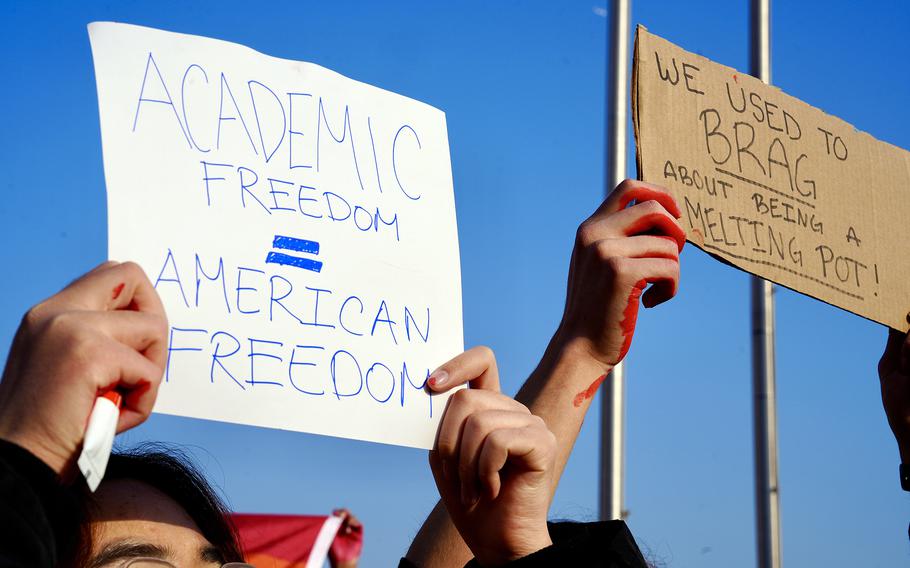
column 619, row 250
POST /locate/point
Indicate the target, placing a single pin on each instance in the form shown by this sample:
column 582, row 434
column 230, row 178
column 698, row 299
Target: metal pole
column 612, row 436
column 764, row 396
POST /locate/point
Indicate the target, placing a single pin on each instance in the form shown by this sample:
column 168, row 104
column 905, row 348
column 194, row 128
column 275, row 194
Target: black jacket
column 607, row 544
column 39, row 516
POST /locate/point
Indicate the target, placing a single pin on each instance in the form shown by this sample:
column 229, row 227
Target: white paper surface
column 217, row 159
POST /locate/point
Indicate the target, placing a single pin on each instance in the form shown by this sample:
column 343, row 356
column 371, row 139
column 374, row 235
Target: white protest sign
column 298, row 225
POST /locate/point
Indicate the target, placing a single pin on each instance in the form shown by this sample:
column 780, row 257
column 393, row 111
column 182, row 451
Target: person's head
column 154, row 503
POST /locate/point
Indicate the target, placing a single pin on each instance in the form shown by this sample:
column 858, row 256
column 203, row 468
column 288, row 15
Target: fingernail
column 438, row 378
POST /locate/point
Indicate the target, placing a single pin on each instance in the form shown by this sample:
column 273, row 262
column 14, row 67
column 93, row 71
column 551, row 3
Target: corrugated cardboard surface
column 773, row 185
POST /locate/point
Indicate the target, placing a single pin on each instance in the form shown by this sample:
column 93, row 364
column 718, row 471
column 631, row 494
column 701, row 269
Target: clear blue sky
column 522, row 84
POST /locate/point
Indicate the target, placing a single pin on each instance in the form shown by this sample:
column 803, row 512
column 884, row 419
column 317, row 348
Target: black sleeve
column 38, row 515
column 607, row 544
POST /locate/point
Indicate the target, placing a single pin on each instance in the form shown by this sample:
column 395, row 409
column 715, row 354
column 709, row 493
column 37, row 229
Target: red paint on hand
column 589, row 392
column 639, row 194
column 661, row 254
column 630, row 318
column 661, row 223
column 118, row 289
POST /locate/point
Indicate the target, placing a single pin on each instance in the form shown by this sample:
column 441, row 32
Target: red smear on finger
column 667, row 237
column 118, row 289
column 660, row 222
column 630, row 317
column 661, row 254
column 640, row 194
column 589, row 392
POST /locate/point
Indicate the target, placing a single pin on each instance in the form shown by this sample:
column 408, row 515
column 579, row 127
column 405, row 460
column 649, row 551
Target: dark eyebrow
column 128, row 549
column 211, row 554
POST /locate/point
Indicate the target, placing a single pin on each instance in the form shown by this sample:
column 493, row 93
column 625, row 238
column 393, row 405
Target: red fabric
column 347, row 546
column 285, row 541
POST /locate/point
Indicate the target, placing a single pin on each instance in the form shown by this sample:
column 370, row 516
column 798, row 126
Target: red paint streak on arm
column 589, row 392
column 118, row 289
column 639, row 194
column 627, row 326
column 630, row 317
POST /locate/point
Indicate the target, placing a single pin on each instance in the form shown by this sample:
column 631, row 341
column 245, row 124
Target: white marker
column 99, row 438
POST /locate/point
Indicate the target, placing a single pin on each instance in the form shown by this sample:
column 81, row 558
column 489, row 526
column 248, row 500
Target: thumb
column 476, row 366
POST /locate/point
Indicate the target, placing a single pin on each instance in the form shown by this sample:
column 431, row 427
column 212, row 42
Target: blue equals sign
column 298, row 245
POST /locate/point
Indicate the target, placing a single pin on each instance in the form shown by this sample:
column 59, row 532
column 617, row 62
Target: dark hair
column 170, row 471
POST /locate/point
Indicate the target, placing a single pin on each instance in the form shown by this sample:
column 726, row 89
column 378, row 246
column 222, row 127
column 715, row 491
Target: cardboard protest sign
column 774, row 186
column 298, row 225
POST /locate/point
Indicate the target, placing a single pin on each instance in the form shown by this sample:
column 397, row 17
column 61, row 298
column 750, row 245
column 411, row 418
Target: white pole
column 764, row 396
column 612, row 437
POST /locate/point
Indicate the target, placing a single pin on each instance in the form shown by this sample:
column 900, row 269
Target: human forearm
column 438, row 543
column 619, row 251
column 560, row 391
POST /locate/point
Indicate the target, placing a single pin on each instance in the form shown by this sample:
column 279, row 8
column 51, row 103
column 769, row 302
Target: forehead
column 132, row 510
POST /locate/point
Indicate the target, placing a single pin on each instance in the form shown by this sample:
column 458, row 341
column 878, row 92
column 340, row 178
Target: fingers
column 664, row 277
column 119, row 350
column 638, row 191
column 476, row 366
column 530, row 447
column 352, row 523
column 135, row 378
column 481, row 431
column 636, row 261
column 463, row 404
column 653, row 258
column 477, row 428
column 117, row 301
column 641, row 246
column 144, row 332
column 647, row 217
column 658, row 223
column 111, row 286
column 349, row 523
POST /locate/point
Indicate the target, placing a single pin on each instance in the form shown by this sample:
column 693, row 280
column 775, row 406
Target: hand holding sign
column 106, row 330
column 619, row 250
column 493, row 463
